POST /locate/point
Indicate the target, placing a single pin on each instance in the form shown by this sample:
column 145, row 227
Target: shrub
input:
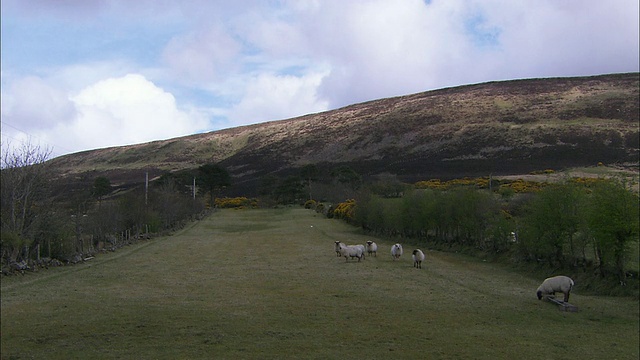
column 435, row 184
column 613, row 220
column 237, row 202
column 522, row 186
column 345, row 210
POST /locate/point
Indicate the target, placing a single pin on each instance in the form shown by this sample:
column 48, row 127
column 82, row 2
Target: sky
column 79, row 75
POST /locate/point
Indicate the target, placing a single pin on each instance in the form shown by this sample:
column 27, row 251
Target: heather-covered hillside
column 499, row 128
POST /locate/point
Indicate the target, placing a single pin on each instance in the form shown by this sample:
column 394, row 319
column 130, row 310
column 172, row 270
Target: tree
column 309, row 173
column 101, row 187
column 289, row 190
column 347, row 176
column 23, row 180
column 551, row 222
column 268, row 185
column 388, row 185
column 213, row 178
column 171, row 205
column 180, row 181
column 613, row 221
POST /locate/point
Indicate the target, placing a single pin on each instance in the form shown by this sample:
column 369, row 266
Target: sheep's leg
column 566, row 297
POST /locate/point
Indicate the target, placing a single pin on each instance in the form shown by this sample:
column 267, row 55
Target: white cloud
column 567, row 38
column 244, row 62
column 384, row 48
column 129, row 110
column 31, row 102
column 111, row 112
column 273, row 97
column 202, row 56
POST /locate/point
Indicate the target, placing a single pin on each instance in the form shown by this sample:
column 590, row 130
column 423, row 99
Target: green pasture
column 266, row 284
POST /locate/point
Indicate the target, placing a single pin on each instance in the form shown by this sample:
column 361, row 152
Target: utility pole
column 146, row 188
column 194, row 188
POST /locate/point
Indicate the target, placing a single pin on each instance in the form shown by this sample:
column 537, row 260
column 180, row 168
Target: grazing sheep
column 337, row 248
column 418, row 257
column 364, row 250
column 352, row 251
column 396, row 251
column 372, row 248
column 551, row 285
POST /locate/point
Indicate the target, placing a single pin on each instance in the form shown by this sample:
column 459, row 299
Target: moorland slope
column 502, row 128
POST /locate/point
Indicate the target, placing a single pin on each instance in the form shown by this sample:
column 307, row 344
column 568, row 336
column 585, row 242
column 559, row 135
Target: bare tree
column 22, row 178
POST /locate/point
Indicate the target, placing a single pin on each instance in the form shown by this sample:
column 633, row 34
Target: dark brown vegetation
column 503, row 128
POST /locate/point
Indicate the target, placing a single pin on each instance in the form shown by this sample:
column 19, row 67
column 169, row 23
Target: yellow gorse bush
column 523, row 186
column 518, row 186
column 345, row 210
column 237, row 202
column 588, row 182
column 437, row 184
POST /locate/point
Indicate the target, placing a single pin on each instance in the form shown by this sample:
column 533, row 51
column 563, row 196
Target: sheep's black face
column 539, row 293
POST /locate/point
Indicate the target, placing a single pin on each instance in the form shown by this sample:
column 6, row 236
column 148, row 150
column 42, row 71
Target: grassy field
column 266, row 284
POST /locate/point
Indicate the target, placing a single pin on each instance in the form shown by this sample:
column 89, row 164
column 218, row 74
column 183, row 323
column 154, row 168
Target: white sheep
column 551, row 285
column 396, row 251
column 372, row 248
column 364, row 250
column 418, row 257
column 337, row 248
column 352, row 251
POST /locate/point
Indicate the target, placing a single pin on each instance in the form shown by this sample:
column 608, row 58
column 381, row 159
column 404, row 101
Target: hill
column 503, row 128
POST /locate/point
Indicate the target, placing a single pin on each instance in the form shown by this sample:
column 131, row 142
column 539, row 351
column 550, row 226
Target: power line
column 11, row 126
column 31, row 136
column 9, row 137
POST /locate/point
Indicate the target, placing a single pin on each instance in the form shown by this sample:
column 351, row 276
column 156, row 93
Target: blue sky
column 79, row 75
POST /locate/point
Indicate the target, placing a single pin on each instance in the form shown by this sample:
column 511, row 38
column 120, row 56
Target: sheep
column 364, row 250
column 551, row 285
column 337, row 248
column 418, row 257
column 352, row 251
column 372, row 248
column 396, row 251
